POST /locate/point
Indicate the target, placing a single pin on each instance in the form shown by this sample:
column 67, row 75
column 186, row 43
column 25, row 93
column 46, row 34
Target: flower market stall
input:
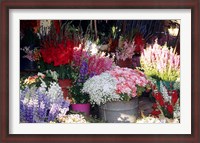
column 99, row 71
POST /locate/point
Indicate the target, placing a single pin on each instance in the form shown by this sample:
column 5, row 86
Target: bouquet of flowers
column 167, row 103
column 118, row 84
column 57, row 51
column 32, row 55
column 160, row 62
column 129, row 47
column 86, row 66
column 96, row 63
column 41, row 101
column 72, row 118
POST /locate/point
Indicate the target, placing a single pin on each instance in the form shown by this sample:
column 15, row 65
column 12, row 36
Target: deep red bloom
column 161, row 102
column 170, row 108
column 154, row 106
column 57, row 26
column 156, row 113
column 139, row 42
column 174, row 98
column 159, row 98
column 60, row 55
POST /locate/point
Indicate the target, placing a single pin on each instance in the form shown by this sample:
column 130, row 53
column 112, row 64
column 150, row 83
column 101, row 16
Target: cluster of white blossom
column 55, row 91
column 164, row 92
column 72, row 118
column 177, row 84
column 176, row 112
column 101, row 88
column 157, row 120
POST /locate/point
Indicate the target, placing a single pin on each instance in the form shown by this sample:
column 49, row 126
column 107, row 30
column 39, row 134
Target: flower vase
column 120, row 111
column 64, row 84
column 124, row 63
column 84, row 108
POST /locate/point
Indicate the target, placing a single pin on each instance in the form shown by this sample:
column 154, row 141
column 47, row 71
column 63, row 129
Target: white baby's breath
column 101, row 89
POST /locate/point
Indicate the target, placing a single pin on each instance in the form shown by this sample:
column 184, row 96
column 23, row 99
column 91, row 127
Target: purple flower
column 35, row 106
column 83, row 72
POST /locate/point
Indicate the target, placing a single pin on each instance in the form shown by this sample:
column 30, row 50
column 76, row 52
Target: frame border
column 194, row 5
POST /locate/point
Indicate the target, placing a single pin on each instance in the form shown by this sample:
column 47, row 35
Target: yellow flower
column 30, row 79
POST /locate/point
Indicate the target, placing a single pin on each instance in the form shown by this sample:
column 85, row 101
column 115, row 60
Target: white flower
column 54, row 91
column 101, row 89
column 25, row 101
column 72, row 118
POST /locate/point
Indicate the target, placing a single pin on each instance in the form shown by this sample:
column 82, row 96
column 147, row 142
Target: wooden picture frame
column 6, row 5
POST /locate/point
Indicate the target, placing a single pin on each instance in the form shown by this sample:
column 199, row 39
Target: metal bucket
column 119, row 111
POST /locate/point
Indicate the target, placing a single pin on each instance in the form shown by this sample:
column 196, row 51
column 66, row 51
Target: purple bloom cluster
column 37, row 107
column 83, row 72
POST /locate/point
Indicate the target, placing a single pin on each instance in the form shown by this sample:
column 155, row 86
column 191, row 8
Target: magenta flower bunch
column 96, row 63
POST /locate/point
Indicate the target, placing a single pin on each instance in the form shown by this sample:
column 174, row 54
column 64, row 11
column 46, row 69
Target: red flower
column 161, row 102
column 139, row 42
column 156, row 113
column 174, row 95
column 157, row 95
column 170, row 108
column 59, row 55
column 154, row 106
column 57, row 26
column 159, row 98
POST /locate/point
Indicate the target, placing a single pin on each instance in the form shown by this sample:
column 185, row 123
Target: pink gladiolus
column 96, row 63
